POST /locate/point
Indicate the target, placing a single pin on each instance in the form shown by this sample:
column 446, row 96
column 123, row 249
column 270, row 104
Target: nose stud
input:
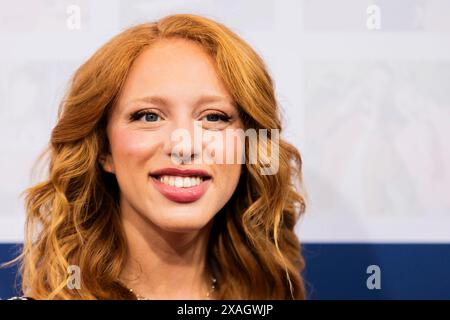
column 182, row 159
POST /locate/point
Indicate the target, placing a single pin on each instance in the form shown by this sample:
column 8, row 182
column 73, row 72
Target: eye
column 146, row 116
column 215, row 121
column 151, row 117
column 216, row 117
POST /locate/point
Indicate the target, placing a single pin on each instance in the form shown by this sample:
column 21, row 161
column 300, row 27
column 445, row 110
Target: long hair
column 73, row 216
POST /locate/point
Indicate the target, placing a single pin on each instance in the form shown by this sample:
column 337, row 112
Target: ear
column 107, row 163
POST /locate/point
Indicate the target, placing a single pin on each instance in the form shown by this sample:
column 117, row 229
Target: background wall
column 365, row 89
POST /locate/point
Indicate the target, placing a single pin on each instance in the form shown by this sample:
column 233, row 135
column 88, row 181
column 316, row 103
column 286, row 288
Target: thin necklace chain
column 208, row 294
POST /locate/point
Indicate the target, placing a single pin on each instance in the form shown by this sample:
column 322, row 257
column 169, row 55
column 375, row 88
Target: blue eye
column 145, row 116
column 215, row 117
column 151, row 117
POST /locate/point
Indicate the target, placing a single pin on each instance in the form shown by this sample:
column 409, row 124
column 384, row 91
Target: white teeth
column 181, row 182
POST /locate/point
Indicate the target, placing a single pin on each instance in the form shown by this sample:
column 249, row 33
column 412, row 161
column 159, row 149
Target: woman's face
column 169, row 87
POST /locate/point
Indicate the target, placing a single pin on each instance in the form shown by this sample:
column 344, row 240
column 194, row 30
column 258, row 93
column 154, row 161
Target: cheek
column 131, row 146
column 233, row 151
column 225, row 147
column 230, row 150
column 226, row 184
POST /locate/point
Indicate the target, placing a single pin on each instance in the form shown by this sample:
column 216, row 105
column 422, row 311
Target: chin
column 182, row 221
column 182, row 227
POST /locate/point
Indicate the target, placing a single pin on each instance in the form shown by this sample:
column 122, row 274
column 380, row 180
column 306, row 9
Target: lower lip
column 181, row 195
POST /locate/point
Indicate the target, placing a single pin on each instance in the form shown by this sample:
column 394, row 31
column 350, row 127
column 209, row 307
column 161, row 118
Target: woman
column 131, row 211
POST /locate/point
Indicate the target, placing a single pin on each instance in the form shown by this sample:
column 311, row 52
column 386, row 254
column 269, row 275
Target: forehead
column 176, row 68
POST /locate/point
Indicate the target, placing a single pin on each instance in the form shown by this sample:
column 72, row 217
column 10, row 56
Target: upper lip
column 181, row 172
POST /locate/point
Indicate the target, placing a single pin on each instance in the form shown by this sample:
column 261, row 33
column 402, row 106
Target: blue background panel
column 408, row 271
column 338, row 271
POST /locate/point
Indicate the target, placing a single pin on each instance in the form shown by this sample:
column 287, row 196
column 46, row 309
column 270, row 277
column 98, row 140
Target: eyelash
column 139, row 114
column 222, row 117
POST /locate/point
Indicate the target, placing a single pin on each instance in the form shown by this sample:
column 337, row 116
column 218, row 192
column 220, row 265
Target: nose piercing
column 181, row 159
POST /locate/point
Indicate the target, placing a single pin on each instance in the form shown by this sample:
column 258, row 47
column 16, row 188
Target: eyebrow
column 164, row 101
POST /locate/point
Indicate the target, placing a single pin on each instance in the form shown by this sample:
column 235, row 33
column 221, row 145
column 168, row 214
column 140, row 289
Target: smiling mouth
column 181, row 185
column 181, row 181
column 181, row 189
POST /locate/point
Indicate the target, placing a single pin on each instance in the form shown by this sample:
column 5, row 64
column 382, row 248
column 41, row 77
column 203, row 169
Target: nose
column 180, row 156
column 183, row 144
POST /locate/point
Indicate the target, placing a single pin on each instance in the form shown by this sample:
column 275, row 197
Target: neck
column 163, row 264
